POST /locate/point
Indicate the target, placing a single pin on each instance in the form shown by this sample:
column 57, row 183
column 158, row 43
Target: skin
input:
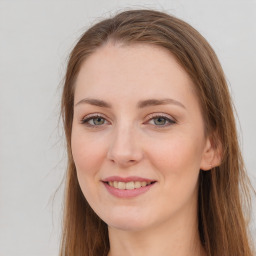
column 130, row 141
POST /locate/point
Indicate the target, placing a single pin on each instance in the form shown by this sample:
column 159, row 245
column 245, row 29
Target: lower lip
column 127, row 193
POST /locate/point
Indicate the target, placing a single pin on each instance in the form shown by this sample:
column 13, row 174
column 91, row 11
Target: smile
column 129, row 185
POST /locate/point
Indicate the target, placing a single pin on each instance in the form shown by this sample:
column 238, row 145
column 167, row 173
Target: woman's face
column 138, row 137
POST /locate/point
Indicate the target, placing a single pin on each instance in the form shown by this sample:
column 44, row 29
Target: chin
column 126, row 226
column 127, row 222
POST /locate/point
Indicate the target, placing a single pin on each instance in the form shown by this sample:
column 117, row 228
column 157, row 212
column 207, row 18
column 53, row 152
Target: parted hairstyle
column 224, row 191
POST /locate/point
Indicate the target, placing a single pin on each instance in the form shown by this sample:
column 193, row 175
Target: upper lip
column 126, row 179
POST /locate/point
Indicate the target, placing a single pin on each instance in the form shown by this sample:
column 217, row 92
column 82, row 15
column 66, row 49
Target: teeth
column 143, row 183
column 121, row 185
column 115, row 183
column 128, row 185
column 137, row 184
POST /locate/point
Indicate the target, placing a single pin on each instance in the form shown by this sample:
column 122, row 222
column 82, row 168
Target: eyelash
column 166, row 118
column 153, row 116
column 86, row 120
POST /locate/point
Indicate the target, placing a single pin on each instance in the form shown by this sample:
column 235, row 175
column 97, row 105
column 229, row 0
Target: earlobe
column 212, row 154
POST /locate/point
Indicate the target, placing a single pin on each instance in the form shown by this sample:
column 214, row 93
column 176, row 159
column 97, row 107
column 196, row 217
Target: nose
column 124, row 148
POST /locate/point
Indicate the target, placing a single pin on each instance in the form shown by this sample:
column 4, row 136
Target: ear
column 212, row 154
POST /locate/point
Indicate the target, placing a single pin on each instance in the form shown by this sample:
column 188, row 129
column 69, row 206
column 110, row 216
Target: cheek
column 88, row 155
column 178, row 164
column 176, row 154
column 87, row 151
column 178, row 167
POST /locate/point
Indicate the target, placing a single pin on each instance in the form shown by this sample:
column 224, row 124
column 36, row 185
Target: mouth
column 130, row 185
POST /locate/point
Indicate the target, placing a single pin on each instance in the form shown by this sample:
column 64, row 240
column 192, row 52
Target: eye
column 95, row 120
column 160, row 120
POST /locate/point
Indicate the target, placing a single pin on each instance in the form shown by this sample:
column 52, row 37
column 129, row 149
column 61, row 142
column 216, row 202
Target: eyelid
column 171, row 120
column 89, row 117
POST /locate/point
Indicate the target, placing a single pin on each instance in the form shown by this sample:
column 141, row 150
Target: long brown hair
column 223, row 199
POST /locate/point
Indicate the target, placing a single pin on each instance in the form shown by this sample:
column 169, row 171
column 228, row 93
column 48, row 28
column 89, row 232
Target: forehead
column 138, row 70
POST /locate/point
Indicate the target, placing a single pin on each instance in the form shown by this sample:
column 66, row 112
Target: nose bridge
column 124, row 148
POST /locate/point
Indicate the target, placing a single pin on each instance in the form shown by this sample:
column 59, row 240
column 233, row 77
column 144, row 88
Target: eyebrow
column 155, row 102
column 141, row 104
column 94, row 102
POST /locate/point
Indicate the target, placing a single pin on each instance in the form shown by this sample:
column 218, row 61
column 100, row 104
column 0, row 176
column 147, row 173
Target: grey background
column 35, row 40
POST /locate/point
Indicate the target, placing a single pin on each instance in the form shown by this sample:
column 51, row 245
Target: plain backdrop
column 35, row 40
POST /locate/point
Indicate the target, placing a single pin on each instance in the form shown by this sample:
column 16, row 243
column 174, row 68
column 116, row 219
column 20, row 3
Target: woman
column 154, row 166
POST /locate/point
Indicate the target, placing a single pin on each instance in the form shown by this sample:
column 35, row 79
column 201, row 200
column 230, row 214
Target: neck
column 178, row 237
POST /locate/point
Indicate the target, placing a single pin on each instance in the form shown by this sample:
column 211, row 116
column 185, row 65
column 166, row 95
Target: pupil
column 160, row 120
column 98, row 121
